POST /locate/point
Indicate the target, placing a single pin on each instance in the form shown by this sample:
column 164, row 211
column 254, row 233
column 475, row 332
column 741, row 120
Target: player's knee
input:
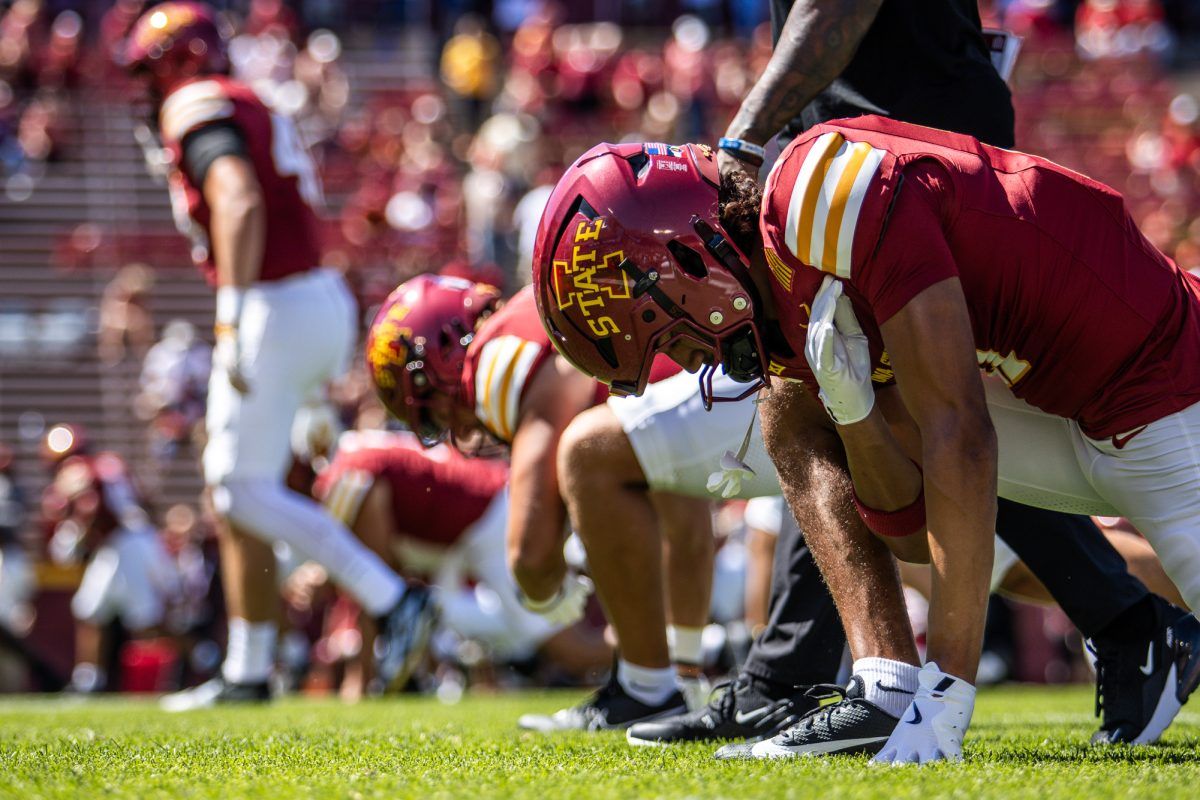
column 594, row 450
column 239, row 501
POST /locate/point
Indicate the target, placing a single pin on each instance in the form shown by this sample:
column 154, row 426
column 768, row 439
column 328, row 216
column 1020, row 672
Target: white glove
column 227, row 355
column 566, row 606
column 839, row 354
column 932, row 728
column 728, row 481
column 315, row 432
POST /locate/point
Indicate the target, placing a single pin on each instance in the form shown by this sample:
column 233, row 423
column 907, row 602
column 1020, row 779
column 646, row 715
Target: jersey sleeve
column 192, row 107
column 913, row 253
column 504, row 367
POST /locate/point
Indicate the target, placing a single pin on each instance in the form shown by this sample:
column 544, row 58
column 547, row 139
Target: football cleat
column 851, row 725
column 402, row 636
column 610, row 708
column 739, row 712
column 1140, row 687
column 215, row 692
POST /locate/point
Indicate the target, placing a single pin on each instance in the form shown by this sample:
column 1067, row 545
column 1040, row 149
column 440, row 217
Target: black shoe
column 215, row 692
column 402, row 637
column 608, row 709
column 851, row 725
column 740, row 712
column 1141, row 685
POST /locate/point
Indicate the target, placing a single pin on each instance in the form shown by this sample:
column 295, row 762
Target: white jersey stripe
column 825, row 197
column 849, row 224
column 504, row 365
column 812, row 160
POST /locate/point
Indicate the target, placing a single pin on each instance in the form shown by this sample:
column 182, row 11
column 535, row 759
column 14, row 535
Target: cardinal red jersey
column 1069, row 303
column 507, row 351
column 97, row 491
column 437, row 494
column 290, row 189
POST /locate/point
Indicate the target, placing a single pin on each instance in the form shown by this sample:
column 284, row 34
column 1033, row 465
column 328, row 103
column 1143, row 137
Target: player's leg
column 688, row 551
column 94, row 605
column 679, row 446
column 1081, row 570
column 861, row 577
column 609, row 506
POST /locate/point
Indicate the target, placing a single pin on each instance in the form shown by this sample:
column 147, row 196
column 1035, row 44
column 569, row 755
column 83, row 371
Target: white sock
column 250, row 653
column 889, row 684
column 647, row 684
column 87, row 677
column 685, row 644
column 271, row 511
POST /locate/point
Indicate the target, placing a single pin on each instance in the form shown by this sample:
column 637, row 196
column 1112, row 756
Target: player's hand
column 932, row 728
column 839, row 354
column 227, row 356
column 567, row 605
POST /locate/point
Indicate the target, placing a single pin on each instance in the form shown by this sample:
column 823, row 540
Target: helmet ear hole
column 691, row 262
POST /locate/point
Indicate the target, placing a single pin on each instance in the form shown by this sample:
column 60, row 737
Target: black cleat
column 214, row 692
column 402, row 635
column 610, row 708
column 740, row 712
column 1141, row 686
column 849, row 726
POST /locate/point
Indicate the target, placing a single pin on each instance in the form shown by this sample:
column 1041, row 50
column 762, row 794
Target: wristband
column 901, row 522
column 540, row 606
column 230, row 301
column 747, row 151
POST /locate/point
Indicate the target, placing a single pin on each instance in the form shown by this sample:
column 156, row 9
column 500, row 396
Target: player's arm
column 216, row 158
column 931, row 344
column 818, row 40
column 537, row 516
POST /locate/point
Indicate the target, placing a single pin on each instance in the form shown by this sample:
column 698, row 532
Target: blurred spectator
column 125, row 320
column 128, row 576
column 174, row 383
column 470, row 64
column 16, row 573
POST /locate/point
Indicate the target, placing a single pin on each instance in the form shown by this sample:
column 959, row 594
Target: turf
column 1026, row 742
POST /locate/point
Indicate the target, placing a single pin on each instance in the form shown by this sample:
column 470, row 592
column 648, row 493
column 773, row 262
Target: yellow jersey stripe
column 506, row 383
column 837, row 204
column 802, row 205
column 484, row 391
column 853, row 205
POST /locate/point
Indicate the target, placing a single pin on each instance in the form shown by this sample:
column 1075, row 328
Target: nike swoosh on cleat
column 916, row 720
column 821, row 748
column 750, row 716
column 1148, row 667
column 879, row 685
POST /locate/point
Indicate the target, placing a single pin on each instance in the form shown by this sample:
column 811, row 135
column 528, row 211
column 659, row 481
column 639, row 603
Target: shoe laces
column 1110, row 679
column 822, row 714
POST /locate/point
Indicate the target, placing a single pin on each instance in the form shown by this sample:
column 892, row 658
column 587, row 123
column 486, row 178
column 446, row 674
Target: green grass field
column 1025, row 742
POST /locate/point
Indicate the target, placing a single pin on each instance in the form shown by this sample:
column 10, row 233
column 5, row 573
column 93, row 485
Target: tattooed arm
column 817, row 42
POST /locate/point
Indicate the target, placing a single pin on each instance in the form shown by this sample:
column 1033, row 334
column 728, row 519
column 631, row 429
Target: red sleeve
column 913, row 254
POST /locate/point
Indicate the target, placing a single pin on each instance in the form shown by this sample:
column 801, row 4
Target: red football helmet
column 631, row 258
column 418, row 343
column 173, row 42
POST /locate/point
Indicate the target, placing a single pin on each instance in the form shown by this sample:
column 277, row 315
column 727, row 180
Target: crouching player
column 245, row 191
column 439, row 514
column 938, row 242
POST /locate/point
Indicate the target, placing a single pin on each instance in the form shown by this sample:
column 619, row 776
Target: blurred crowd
column 448, row 170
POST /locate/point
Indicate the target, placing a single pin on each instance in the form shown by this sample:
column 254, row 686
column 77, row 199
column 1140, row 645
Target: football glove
column 566, row 606
column 933, row 726
column 839, row 354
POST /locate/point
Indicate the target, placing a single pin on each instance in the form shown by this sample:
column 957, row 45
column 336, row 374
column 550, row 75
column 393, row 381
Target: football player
column 448, row 359
column 1089, row 335
column 245, row 191
column 437, row 513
